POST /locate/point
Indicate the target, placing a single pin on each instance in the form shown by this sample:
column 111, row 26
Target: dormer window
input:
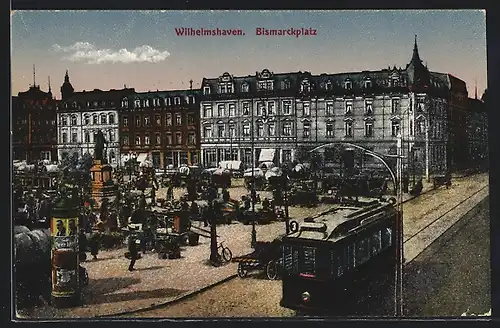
column 88, row 104
column 124, row 103
column 262, row 85
column 286, row 85
column 191, row 99
column 395, row 81
column 206, row 90
column 222, row 88
column 328, row 86
column 156, row 102
column 270, row 85
column 168, row 101
column 137, row 103
column 177, row 101
column 305, row 86
column 74, row 104
column 368, row 84
column 244, row 87
column 103, row 104
column 348, row 85
column 146, row 102
column 96, row 103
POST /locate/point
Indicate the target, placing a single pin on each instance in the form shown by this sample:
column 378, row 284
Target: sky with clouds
column 140, row 49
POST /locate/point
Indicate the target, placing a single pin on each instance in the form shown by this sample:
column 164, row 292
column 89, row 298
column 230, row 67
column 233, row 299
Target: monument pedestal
column 102, row 182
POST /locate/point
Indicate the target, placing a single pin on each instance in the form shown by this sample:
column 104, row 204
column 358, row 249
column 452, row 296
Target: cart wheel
column 227, row 255
column 242, row 272
column 272, row 270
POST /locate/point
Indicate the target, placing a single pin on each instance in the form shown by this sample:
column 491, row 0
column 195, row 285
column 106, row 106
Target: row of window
column 87, row 137
column 155, row 102
column 87, row 119
column 36, row 122
column 146, row 141
column 287, row 130
column 268, row 108
column 305, row 86
column 145, row 121
column 311, row 261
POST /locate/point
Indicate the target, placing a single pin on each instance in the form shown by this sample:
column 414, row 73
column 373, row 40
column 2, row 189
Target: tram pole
column 399, row 235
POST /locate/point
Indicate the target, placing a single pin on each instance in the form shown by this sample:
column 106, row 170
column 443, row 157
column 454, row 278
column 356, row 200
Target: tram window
column 290, row 259
column 362, row 251
column 345, row 259
column 308, row 260
column 386, row 237
column 376, row 242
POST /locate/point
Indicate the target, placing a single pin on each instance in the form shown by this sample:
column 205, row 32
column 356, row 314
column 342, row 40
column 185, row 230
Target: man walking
column 132, row 249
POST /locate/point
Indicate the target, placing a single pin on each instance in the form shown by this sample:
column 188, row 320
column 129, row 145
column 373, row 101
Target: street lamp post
column 254, row 232
column 427, row 148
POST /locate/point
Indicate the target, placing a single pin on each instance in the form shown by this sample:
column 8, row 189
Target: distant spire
column 66, row 77
column 34, row 74
column 191, row 84
column 475, row 91
column 49, row 85
column 416, row 57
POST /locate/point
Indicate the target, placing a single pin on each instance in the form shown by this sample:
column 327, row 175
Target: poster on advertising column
column 64, row 233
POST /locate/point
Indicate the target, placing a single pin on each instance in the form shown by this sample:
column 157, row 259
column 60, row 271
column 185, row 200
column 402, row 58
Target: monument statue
column 99, row 146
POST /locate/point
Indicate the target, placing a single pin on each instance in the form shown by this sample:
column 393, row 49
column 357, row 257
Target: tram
column 335, row 260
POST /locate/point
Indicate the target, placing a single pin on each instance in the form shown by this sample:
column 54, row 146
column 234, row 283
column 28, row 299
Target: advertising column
column 65, row 260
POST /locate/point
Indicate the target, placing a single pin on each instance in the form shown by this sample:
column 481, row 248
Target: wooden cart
column 267, row 257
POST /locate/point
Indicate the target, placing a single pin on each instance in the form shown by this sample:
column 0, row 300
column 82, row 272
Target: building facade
column 82, row 114
column 285, row 115
column 477, row 126
column 161, row 125
column 238, row 112
column 34, row 135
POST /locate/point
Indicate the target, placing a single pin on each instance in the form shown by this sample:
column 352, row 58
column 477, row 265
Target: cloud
column 87, row 53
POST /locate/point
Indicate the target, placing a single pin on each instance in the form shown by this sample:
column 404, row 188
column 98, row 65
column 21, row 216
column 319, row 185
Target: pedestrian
column 94, row 245
column 225, row 195
column 194, row 210
column 170, row 192
column 132, row 249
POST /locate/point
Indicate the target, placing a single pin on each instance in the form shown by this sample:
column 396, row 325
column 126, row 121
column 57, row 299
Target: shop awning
column 266, row 155
column 142, row 157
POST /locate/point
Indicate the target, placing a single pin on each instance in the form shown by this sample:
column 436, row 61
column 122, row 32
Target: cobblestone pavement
column 113, row 289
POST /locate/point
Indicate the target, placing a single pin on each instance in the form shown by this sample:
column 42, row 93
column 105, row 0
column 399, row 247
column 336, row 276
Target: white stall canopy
column 266, row 155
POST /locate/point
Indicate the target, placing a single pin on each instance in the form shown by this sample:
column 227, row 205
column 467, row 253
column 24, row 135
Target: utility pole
column 427, row 148
column 399, row 235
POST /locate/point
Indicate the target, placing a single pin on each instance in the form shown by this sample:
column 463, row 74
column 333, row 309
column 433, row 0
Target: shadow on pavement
column 137, row 295
column 109, row 285
column 150, row 268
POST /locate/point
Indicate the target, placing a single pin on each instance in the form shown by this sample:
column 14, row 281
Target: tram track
column 428, row 225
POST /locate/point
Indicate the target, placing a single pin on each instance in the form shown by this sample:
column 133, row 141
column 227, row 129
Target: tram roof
column 340, row 220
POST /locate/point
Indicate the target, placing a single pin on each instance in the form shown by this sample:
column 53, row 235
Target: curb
column 176, row 300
